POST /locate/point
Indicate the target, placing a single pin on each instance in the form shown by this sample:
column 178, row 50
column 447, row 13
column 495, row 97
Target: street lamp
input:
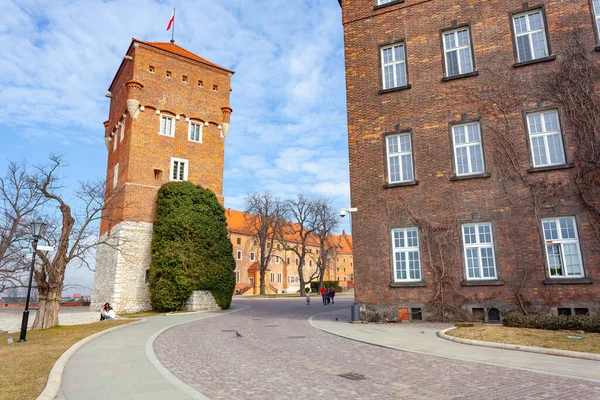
column 37, row 230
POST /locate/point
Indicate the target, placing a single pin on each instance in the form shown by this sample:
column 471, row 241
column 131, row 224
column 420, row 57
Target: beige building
column 282, row 272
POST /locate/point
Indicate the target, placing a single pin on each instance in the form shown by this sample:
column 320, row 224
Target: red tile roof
column 180, row 51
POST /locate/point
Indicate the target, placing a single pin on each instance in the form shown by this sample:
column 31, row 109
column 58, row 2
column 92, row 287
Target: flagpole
column 173, row 31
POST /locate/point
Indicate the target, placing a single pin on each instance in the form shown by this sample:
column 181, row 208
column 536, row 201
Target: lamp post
column 37, row 230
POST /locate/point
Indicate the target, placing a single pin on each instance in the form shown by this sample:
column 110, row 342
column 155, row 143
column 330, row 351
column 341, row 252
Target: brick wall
column 426, row 109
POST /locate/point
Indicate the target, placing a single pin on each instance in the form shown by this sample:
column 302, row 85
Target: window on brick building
column 114, row 138
column 393, row 66
column 279, row 277
column 239, row 254
column 399, row 158
column 478, row 244
column 122, row 130
column 563, row 254
column 380, row 2
column 179, row 169
column 596, row 11
column 545, row 139
column 468, row 150
column 195, row 132
column 458, row 54
column 351, row 277
column 252, row 256
column 167, row 125
column 407, row 260
column 530, row 36
column 345, row 279
column 272, row 277
column 115, row 175
column 238, row 240
column 277, row 260
column 237, row 276
column 288, row 260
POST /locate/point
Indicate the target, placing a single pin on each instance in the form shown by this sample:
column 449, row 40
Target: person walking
column 332, row 295
column 308, row 299
column 327, row 298
column 323, row 290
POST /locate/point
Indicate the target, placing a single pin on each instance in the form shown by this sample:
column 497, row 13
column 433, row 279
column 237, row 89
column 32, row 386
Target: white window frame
column 381, row 2
column 238, row 255
column 193, row 124
column 406, row 250
column 478, row 246
column 596, row 11
column 272, row 277
column 122, row 130
column 116, row 175
column 279, row 277
column 468, row 145
column 115, row 138
column 396, row 80
column 185, row 169
column 160, row 126
column 399, row 154
column 545, row 134
column 457, row 50
column 561, row 242
column 530, row 33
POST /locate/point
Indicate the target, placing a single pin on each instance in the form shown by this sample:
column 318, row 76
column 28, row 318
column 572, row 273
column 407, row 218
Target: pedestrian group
column 328, row 295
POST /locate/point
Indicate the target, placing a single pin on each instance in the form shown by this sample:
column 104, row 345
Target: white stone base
column 201, row 300
column 121, row 265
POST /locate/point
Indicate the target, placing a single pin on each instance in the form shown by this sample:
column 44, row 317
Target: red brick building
column 169, row 115
column 464, row 158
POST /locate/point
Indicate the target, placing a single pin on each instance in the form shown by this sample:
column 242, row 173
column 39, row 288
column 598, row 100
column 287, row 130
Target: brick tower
column 169, row 115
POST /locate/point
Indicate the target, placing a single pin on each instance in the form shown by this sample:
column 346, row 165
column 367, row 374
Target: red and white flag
column 171, row 20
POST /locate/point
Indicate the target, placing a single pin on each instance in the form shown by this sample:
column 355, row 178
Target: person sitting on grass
column 107, row 312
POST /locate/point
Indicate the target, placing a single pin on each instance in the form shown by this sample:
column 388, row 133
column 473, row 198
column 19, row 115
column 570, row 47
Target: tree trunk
column 47, row 314
column 262, row 281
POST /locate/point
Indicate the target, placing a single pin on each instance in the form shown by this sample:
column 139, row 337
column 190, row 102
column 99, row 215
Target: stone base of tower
column 121, row 268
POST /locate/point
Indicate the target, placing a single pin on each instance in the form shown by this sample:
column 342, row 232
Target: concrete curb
column 54, row 379
column 530, row 349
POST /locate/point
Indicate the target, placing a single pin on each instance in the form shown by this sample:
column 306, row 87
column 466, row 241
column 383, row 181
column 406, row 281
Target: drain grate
column 228, row 330
column 353, row 376
column 296, row 337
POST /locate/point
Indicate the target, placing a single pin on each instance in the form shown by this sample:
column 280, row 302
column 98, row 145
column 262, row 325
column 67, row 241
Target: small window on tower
column 168, row 74
column 215, row 88
column 200, row 83
column 157, row 174
column 151, row 69
column 184, row 78
column 179, row 169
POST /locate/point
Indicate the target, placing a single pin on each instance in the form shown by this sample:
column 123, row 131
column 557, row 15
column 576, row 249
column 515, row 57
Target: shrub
column 190, row 248
column 585, row 323
column 314, row 286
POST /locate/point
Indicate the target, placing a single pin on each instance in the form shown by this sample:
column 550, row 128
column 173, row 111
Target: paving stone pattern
column 280, row 356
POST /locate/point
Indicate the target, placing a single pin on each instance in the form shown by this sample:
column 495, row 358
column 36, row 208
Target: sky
column 288, row 128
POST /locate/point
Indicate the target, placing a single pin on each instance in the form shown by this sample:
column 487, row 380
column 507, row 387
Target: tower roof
column 180, row 51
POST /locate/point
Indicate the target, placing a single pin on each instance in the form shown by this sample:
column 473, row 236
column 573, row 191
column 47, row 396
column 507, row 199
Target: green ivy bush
column 586, row 323
column 190, row 248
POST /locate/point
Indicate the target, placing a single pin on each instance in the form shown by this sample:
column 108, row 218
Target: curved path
column 281, row 356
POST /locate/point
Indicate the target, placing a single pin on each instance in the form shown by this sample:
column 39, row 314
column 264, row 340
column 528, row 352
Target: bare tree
column 326, row 221
column 73, row 234
column 302, row 226
column 266, row 216
column 19, row 202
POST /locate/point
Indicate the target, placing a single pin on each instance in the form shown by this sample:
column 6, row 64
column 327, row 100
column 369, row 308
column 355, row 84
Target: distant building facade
column 169, row 115
column 464, row 181
column 282, row 274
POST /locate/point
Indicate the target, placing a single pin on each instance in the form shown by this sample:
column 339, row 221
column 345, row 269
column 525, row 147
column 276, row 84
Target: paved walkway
column 279, row 355
column 421, row 338
column 119, row 365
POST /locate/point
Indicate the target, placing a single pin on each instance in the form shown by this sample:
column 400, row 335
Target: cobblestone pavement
column 11, row 317
column 280, row 356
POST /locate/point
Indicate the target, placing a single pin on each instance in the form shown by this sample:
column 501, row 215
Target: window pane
column 472, row 264
column 555, row 149
column 401, row 265
column 413, row 265
column 538, row 40
column 535, row 123
column 473, row 133
column 463, row 38
column 412, row 238
column 465, row 61
column 462, row 162
column 487, row 263
column 523, row 48
column 404, row 143
column 551, row 121
column 452, row 63
column 476, row 159
column 401, row 74
column 394, row 169
column 520, row 24
column 539, row 151
column 485, row 234
column 572, row 259
column 567, row 228
column 388, row 77
column 550, row 231
column 554, row 260
column 392, row 144
column 407, row 169
column 399, row 53
column 450, row 40
column 535, row 21
column 459, row 134
column 387, row 55
column 175, row 168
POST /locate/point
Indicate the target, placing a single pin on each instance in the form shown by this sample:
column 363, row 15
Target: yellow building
column 281, row 275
